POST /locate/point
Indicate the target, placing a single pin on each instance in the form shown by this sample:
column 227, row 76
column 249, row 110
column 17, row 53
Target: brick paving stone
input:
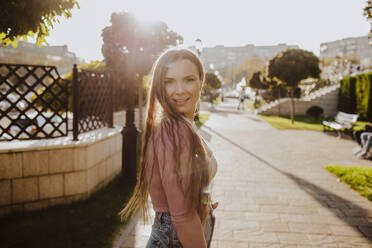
column 366, row 230
column 293, row 238
column 230, row 244
column 229, row 215
column 255, row 236
column 345, row 230
column 288, row 210
column 224, row 234
column 327, row 211
column 309, row 228
column 357, row 212
column 356, row 221
column 325, row 219
column 322, row 240
column 273, row 189
column 263, row 245
column 292, row 217
column 347, row 241
column 274, row 226
column 262, row 216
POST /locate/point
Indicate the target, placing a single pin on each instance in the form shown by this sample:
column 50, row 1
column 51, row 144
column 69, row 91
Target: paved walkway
column 273, row 190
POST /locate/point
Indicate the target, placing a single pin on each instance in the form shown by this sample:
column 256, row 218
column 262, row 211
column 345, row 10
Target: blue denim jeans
column 366, row 139
column 163, row 233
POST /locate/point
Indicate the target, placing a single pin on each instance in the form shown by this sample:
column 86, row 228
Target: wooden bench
column 343, row 122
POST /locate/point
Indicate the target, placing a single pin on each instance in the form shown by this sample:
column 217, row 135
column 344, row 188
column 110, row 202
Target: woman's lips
column 181, row 102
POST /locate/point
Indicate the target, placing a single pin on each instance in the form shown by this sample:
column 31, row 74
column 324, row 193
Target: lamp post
column 199, row 48
column 129, row 131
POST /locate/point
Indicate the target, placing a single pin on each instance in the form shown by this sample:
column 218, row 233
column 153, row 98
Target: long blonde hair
column 199, row 169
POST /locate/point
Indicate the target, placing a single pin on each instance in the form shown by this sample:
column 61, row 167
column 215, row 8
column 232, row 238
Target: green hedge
column 354, row 96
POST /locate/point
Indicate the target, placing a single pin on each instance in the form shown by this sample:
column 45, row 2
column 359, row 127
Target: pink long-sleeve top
column 165, row 192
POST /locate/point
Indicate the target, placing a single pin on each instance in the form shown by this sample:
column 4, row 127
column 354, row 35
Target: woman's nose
column 179, row 88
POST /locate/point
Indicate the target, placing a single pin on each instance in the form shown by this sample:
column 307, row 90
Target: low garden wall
column 327, row 100
column 37, row 174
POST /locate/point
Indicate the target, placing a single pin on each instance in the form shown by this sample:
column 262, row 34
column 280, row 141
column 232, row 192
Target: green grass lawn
column 357, row 177
column 250, row 106
column 202, row 119
column 90, row 223
column 217, row 101
column 360, row 125
column 301, row 122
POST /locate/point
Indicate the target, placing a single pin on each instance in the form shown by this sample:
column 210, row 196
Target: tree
column 368, row 12
column 290, row 67
column 130, row 47
column 245, row 69
column 274, row 92
column 256, row 82
column 211, row 84
column 25, row 18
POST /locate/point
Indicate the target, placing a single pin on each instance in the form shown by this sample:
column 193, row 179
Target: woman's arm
column 185, row 220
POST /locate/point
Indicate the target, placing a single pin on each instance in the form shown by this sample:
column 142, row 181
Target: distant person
column 357, row 134
column 176, row 165
column 241, row 98
column 364, row 139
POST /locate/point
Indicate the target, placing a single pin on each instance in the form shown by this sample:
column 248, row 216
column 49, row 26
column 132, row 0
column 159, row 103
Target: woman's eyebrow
column 190, row 75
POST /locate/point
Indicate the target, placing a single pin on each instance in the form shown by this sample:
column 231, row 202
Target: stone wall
column 39, row 174
column 327, row 100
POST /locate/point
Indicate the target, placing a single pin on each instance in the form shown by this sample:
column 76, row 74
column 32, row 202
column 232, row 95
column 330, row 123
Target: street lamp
column 129, row 131
column 199, row 46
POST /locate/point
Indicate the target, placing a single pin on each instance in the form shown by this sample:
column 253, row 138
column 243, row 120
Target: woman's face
column 182, row 86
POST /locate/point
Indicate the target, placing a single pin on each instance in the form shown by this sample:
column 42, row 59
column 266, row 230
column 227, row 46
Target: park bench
column 343, row 123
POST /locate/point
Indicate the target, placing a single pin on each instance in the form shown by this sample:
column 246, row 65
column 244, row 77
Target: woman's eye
column 190, row 79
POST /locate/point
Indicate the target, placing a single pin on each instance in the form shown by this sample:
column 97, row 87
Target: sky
column 305, row 23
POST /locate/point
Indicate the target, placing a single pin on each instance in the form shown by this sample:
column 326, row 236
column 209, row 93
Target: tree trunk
column 292, row 105
column 255, row 99
column 280, row 96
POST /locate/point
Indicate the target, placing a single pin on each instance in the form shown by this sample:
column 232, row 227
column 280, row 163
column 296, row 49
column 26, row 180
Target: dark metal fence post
column 129, row 132
column 75, row 101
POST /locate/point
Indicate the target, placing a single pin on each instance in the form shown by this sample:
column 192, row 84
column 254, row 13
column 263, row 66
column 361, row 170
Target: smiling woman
column 177, row 166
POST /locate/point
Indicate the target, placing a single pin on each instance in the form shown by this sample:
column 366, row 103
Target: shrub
column 315, row 111
column 347, row 95
column 362, row 93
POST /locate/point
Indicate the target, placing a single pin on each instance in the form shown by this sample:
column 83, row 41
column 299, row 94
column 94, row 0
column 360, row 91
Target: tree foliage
column 256, row 81
column 131, row 42
column 245, row 70
column 130, row 47
column 291, row 66
column 211, row 84
column 27, row 18
column 368, row 12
